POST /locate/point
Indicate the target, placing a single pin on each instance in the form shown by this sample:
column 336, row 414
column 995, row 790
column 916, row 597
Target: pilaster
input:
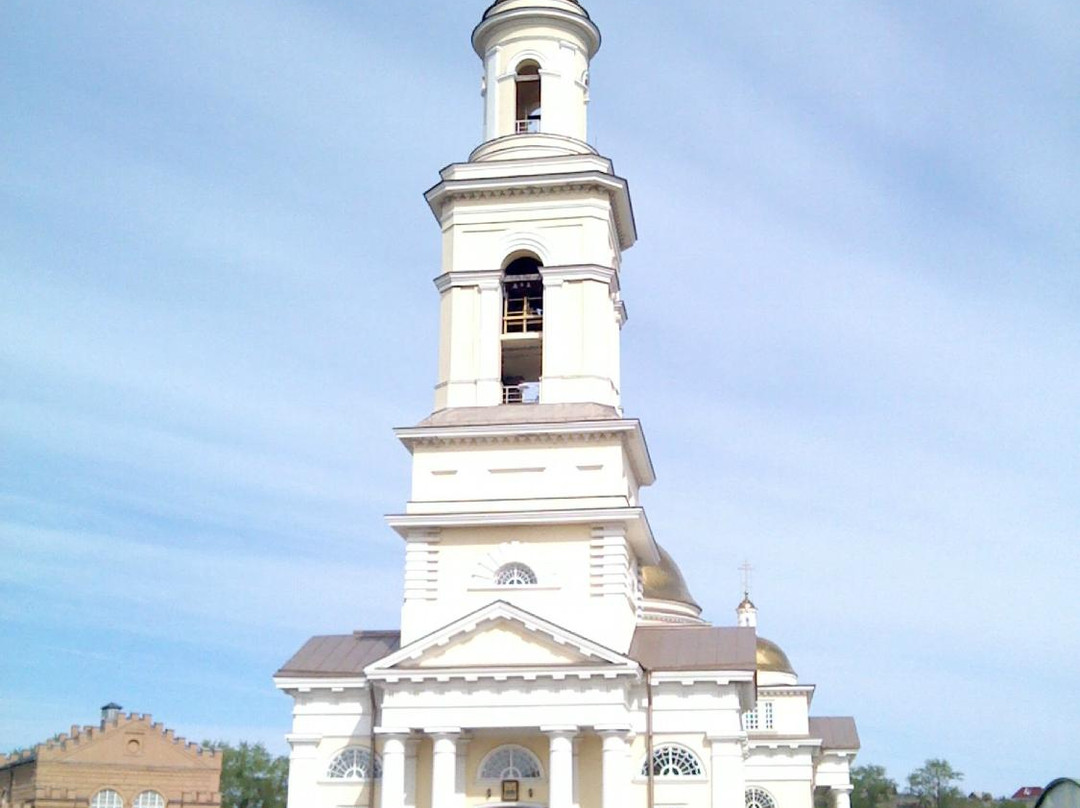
column 728, row 773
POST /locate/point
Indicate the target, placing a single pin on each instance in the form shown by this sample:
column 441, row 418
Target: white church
column 549, row 653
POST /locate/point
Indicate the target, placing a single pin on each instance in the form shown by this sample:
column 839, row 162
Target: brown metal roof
column 694, row 648
column 341, row 655
column 836, row 732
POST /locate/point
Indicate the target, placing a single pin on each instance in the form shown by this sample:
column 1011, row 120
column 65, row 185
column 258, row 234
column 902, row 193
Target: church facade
column 549, row 653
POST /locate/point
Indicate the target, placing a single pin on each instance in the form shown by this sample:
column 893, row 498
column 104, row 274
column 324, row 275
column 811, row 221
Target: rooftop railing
column 528, row 126
column 523, row 393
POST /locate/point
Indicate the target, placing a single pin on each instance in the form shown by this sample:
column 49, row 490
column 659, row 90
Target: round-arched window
column 514, row 574
column 149, row 799
column 354, row 763
column 759, row 798
column 107, row 798
column 670, row 760
column 510, row 763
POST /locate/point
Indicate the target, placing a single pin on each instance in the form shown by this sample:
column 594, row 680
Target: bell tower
column 527, row 459
column 533, row 225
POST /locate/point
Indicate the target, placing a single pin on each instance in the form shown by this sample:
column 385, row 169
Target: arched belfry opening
column 522, row 330
column 527, row 86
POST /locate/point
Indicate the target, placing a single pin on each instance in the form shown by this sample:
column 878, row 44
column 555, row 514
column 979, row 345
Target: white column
column 727, row 776
column 461, row 779
column 410, row 772
column 560, row 766
column 614, row 771
column 393, row 770
column 841, row 796
column 444, row 767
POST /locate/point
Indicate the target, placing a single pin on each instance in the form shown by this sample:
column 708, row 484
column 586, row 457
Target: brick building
column 126, row 761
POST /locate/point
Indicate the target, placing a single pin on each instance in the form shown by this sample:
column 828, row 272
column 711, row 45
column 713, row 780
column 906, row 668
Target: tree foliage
column 934, row 783
column 251, row 777
column 871, row 787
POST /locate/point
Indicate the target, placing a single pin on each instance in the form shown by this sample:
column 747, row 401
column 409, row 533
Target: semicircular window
column 107, row 798
column 514, row 574
column 149, row 799
column 759, row 798
column 510, row 763
column 354, row 763
column 670, row 760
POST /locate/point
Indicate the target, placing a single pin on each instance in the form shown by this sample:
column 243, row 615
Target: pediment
column 499, row 636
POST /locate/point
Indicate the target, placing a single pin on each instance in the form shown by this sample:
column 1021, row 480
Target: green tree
column 251, row 777
column 870, row 787
column 934, row 783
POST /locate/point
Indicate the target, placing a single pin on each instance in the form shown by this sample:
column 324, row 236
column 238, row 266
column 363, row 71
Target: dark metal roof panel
column 341, row 655
column 836, row 732
column 694, row 648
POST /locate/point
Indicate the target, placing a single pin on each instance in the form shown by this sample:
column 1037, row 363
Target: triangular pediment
column 499, row 636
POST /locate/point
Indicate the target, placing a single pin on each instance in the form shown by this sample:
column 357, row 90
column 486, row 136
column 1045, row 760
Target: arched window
column 107, row 798
column 510, row 763
column 149, row 799
column 759, row 798
column 522, row 328
column 354, row 763
column 527, row 82
column 514, row 574
column 670, row 760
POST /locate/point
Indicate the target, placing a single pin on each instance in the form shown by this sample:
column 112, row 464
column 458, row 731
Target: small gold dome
column 664, row 581
column 771, row 657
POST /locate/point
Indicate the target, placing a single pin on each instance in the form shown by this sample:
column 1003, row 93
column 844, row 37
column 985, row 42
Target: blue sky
column 854, row 342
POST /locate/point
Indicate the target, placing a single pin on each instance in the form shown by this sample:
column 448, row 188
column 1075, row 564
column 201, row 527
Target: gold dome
column 771, row 657
column 664, row 581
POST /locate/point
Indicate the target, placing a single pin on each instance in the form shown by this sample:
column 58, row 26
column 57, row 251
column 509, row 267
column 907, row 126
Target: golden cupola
column 665, row 595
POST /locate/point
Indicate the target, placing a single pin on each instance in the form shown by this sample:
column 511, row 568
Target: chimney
column 109, row 713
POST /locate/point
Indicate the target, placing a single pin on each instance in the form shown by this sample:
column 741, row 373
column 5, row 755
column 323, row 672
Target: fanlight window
column 673, row 761
column 515, row 575
column 149, row 799
column 107, row 798
column 510, row 763
column 759, row 798
column 354, row 763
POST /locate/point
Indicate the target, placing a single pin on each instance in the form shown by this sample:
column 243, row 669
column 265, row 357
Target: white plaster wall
column 563, row 59
column 539, row 474
column 564, row 228
column 462, row 562
column 510, row 704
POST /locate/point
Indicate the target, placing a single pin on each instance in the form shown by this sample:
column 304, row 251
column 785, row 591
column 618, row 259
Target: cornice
column 781, row 742
column 485, row 278
column 627, row 429
column 638, row 531
column 614, row 188
column 306, row 684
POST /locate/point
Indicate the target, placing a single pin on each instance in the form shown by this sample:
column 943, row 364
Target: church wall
column 482, row 744
column 560, row 555
column 488, row 704
column 563, row 67
column 690, row 791
column 589, row 761
column 553, row 472
column 790, row 713
column 833, row 770
column 704, row 708
column 787, row 774
column 567, row 228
